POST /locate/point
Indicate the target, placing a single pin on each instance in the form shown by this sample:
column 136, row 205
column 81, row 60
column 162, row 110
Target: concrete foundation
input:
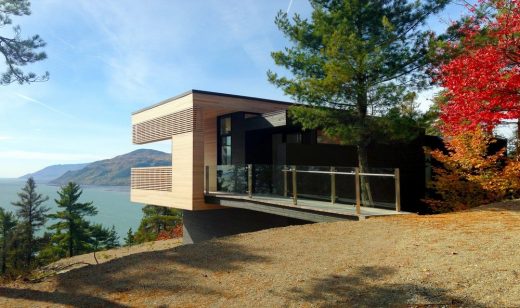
column 204, row 225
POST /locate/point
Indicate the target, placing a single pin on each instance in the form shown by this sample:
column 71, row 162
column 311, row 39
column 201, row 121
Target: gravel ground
column 461, row 259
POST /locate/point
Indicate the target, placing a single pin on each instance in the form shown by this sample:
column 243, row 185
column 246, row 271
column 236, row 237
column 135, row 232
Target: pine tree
column 32, row 215
column 112, row 239
column 156, row 219
column 72, row 231
column 129, row 239
column 352, row 64
column 16, row 51
column 7, row 227
column 104, row 238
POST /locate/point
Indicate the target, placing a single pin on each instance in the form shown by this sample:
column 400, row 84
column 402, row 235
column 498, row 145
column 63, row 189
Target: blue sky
column 109, row 58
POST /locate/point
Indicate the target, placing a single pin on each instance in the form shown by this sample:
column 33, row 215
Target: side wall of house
column 190, row 122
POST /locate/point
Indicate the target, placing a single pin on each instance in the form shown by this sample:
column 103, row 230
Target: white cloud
column 4, row 137
column 44, row 105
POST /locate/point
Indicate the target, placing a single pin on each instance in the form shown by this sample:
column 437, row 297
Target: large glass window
column 225, row 126
column 224, row 140
column 225, row 150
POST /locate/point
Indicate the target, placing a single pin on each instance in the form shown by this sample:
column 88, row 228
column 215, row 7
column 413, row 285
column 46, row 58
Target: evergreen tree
column 129, row 239
column 31, row 214
column 72, row 232
column 352, row 64
column 7, row 227
column 104, row 238
column 156, row 219
column 19, row 52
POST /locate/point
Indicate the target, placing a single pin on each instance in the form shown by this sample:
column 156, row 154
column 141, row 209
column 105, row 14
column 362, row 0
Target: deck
column 309, row 210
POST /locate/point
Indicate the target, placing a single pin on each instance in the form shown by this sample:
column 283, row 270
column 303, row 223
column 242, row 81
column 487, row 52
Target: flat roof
column 193, row 91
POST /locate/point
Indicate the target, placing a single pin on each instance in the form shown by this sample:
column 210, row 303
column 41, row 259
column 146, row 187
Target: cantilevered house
column 239, row 164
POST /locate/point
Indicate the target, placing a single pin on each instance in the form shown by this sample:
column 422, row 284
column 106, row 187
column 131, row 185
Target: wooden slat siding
column 182, row 169
column 192, row 148
column 169, row 107
column 152, row 178
column 198, row 170
column 164, row 127
column 210, row 147
column 223, row 104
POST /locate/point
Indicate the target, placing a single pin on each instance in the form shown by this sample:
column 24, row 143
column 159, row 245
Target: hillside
column 50, row 173
column 115, row 171
column 464, row 259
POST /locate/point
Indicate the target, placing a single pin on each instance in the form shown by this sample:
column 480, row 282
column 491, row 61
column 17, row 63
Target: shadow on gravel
column 181, row 269
column 362, row 288
column 74, row 300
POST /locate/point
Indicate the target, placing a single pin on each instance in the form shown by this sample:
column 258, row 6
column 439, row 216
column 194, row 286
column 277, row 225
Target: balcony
column 312, row 193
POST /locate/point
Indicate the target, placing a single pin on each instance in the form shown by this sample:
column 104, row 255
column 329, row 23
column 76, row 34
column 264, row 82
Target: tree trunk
column 517, row 150
column 364, row 139
column 29, row 249
column 366, row 192
column 4, row 253
column 71, row 240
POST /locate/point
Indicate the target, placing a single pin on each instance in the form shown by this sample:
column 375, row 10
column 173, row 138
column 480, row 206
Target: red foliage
column 483, row 82
column 175, row 232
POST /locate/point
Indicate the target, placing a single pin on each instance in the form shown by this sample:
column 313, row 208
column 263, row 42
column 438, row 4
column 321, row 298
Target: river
column 113, row 203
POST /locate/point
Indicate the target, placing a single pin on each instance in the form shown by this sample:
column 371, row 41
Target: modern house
column 239, row 164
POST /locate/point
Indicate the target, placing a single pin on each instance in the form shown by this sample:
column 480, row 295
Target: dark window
column 225, row 150
column 225, row 126
column 224, row 140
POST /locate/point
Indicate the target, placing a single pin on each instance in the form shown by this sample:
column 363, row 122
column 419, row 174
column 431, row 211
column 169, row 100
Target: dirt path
column 464, row 259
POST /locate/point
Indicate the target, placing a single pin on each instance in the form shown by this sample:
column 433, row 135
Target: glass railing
column 377, row 187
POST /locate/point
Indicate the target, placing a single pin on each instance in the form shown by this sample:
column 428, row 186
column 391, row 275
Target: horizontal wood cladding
column 164, row 127
column 159, row 198
column 225, row 104
column 152, row 178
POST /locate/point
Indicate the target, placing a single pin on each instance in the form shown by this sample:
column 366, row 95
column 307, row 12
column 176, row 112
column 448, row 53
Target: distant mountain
column 115, row 171
column 50, row 173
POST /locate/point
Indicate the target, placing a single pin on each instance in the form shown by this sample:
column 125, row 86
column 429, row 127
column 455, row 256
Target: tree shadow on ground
column 364, row 288
column 181, row 269
column 57, row 297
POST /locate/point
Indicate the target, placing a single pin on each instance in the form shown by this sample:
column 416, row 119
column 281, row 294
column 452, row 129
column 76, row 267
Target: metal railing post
column 397, row 190
column 250, row 180
column 294, row 190
column 358, row 192
column 207, row 180
column 285, row 181
column 332, row 185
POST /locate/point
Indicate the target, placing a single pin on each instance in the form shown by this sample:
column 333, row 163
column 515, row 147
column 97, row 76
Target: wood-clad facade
column 190, row 122
column 214, row 129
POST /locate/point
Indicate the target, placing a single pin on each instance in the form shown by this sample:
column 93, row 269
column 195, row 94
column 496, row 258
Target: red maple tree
column 482, row 89
column 483, row 81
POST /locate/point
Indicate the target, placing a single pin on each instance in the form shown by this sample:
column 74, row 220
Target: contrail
column 27, row 98
column 289, row 7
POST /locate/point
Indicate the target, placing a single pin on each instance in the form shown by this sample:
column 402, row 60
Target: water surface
column 113, row 203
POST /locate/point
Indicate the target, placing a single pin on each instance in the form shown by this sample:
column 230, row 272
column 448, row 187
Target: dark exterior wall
column 409, row 158
column 253, row 143
column 204, row 225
